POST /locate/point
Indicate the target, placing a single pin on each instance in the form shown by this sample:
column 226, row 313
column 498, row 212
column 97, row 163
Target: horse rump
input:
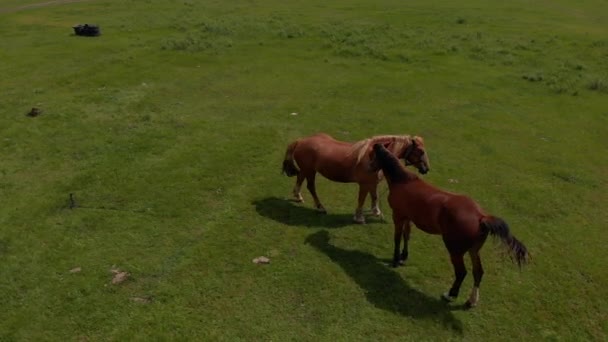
column 289, row 166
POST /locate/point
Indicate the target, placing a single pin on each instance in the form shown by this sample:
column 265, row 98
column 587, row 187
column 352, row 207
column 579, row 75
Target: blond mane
column 398, row 143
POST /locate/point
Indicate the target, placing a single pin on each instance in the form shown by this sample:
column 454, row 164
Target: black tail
column 289, row 166
column 499, row 228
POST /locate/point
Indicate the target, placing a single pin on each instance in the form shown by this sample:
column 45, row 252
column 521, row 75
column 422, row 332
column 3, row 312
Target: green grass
column 170, row 128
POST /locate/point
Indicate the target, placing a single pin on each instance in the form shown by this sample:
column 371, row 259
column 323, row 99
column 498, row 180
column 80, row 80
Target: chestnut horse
column 463, row 225
column 347, row 163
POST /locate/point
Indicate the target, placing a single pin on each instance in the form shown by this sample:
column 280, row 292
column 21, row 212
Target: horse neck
column 394, row 171
column 399, row 145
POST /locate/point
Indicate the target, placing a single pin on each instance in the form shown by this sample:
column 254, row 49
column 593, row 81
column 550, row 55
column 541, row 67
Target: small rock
column 294, row 114
column 261, row 260
column 75, row 270
column 451, row 180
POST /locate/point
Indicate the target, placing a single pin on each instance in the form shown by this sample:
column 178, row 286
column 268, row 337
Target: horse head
column 413, row 153
column 416, row 155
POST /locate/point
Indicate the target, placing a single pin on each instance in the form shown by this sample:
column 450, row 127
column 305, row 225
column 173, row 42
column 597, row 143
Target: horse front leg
column 374, row 195
column 363, row 190
column 407, row 228
column 397, row 238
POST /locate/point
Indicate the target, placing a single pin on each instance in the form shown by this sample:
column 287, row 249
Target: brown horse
column 347, row 163
column 463, row 225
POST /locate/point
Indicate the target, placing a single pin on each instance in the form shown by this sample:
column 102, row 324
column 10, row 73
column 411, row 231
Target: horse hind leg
column 477, row 275
column 460, row 272
column 310, row 184
column 297, row 193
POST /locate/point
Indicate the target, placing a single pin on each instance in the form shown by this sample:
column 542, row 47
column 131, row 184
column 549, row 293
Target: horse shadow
column 291, row 213
column 385, row 288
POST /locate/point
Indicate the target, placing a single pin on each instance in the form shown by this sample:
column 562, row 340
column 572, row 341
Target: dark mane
column 391, row 166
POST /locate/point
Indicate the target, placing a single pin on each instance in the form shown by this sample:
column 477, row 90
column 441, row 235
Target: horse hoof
column 359, row 220
column 446, row 296
column 469, row 305
column 322, row 211
column 395, row 263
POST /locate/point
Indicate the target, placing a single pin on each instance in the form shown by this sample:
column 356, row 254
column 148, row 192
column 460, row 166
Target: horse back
column 435, row 211
column 326, row 155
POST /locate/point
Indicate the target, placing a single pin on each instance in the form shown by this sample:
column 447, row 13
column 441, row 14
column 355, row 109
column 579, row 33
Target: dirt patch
column 119, row 276
column 39, row 5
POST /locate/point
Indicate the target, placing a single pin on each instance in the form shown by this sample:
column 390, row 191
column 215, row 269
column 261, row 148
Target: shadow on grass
column 291, row 213
column 385, row 288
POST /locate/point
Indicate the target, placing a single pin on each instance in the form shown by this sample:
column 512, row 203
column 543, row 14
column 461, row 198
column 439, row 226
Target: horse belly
column 424, row 219
column 334, row 166
column 424, row 216
column 336, row 174
column 429, row 229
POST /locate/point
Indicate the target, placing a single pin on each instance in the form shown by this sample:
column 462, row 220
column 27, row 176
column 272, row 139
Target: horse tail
column 499, row 228
column 289, row 166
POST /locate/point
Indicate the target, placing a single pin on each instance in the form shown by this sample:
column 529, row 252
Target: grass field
column 170, row 128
